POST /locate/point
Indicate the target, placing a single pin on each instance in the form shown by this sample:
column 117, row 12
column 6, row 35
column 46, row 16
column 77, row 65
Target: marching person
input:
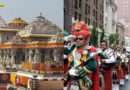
column 107, row 64
column 95, row 75
column 80, row 53
column 124, row 63
column 119, row 69
column 68, row 48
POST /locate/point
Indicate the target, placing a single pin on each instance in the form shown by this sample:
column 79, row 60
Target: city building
column 127, row 36
column 120, row 30
column 110, row 9
column 127, row 31
column 123, row 14
column 123, row 11
column 90, row 11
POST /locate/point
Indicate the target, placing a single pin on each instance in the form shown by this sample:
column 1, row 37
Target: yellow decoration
column 84, row 56
column 27, row 66
column 13, row 78
column 4, row 76
column 18, row 21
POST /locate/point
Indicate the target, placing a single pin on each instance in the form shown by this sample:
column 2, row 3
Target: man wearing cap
column 80, row 53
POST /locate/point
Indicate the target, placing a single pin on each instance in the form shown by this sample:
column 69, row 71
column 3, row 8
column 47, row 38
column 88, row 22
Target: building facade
column 123, row 14
column 27, row 41
column 127, row 35
column 109, row 17
column 120, row 30
column 35, row 49
column 90, row 11
column 123, row 11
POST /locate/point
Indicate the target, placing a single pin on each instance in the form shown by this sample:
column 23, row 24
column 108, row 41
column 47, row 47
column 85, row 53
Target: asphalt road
column 126, row 86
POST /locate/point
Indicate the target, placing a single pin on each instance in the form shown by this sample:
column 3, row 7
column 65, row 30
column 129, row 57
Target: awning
column 30, row 75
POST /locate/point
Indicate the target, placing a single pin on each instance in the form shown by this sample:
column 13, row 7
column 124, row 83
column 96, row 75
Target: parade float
column 33, row 49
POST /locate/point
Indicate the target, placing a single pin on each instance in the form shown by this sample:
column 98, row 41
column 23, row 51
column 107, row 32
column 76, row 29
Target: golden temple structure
column 35, row 47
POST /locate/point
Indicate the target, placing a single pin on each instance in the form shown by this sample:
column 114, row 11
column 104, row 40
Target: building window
column 86, row 1
column 101, row 17
column 79, row 16
column 75, row 4
column 95, row 2
column 80, row 3
column 86, row 20
column 7, row 38
column 86, row 9
column 89, row 9
column 94, row 23
column 94, row 14
column 101, row 6
column 76, row 16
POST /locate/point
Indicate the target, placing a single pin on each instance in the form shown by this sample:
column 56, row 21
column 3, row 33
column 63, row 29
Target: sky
column 29, row 9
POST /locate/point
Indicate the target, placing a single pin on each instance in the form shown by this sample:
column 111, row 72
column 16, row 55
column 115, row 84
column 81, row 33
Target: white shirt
column 110, row 54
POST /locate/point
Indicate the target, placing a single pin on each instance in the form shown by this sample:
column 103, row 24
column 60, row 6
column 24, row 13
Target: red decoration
column 80, row 28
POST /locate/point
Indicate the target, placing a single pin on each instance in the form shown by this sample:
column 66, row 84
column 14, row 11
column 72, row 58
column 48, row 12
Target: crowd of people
column 93, row 68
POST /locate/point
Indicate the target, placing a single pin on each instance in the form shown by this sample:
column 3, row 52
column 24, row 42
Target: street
column 51, row 85
column 3, row 86
column 126, row 86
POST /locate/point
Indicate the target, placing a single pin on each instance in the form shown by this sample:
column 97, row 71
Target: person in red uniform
column 95, row 75
column 107, row 64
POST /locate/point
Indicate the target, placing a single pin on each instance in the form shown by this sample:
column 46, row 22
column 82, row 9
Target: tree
column 113, row 39
column 94, row 37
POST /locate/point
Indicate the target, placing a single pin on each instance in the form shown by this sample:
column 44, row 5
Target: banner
column 4, row 77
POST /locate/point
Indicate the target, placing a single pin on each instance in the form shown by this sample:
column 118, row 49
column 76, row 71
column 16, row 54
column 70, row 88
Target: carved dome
column 43, row 26
column 17, row 23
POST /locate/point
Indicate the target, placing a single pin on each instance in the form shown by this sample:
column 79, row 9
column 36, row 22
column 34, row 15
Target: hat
column 80, row 28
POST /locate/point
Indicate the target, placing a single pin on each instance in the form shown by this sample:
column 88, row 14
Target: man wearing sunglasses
column 80, row 54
